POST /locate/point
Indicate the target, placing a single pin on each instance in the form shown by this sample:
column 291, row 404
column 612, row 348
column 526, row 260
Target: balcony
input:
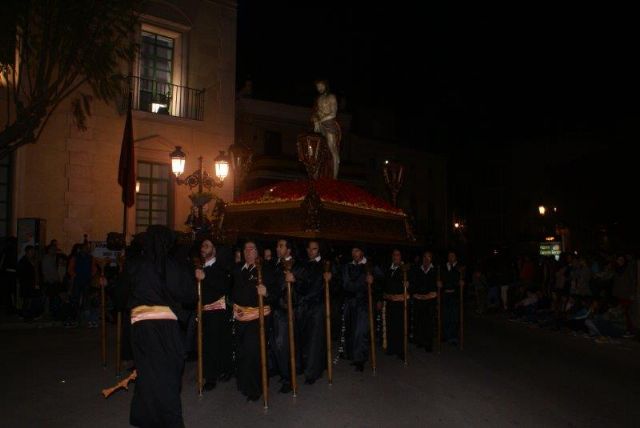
column 166, row 99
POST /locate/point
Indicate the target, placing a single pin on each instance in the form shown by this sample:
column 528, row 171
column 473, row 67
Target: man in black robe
column 244, row 293
column 356, row 277
column 280, row 328
column 309, row 313
column 160, row 285
column 451, row 283
column 394, row 289
column 424, row 292
column 216, row 336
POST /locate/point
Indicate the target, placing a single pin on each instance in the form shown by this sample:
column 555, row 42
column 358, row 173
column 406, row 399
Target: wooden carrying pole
column 439, row 312
column 118, row 343
column 327, row 322
column 263, row 343
column 405, row 333
column 372, row 329
column 103, row 327
column 103, row 316
column 199, row 332
column 124, row 384
column 461, row 308
column 292, row 340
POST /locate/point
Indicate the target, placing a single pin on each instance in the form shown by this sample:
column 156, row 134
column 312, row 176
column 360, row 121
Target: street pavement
column 509, row 375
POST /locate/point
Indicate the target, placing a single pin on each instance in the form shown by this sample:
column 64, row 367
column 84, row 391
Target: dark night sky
column 472, row 83
column 449, row 75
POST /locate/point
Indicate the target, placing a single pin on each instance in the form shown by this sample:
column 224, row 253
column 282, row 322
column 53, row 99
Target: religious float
column 320, row 207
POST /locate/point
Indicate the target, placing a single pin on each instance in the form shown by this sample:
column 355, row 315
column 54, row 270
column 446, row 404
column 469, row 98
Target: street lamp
column 542, row 209
column 199, row 179
column 178, row 159
column 221, row 164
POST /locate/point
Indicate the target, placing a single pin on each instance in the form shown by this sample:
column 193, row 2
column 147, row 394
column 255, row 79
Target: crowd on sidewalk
column 593, row 295
column 51, row 285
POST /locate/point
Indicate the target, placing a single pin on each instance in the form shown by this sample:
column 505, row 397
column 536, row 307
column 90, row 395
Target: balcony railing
column 167, row 99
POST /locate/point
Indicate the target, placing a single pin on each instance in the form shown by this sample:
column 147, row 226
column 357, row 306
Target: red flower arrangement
column 328, row 189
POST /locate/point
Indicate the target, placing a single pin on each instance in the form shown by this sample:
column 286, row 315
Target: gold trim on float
column 332, row 206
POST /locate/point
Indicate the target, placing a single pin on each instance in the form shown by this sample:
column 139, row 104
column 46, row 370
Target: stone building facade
column 183, row 84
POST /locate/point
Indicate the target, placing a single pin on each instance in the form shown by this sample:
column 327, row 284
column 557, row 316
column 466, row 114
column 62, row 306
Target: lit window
column 156, row 72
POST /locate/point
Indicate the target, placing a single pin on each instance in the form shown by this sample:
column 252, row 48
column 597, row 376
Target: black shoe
column 224, row 377
column 285, row 388
column 359, row 366
column 253, row 397
column 309, row 381
column 208, row 386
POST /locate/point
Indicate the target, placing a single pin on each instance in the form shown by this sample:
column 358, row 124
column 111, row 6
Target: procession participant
column 393, row 289
column 280, row 327
column 424, row 292
column 160, row 285
column 215, row 318
column 309, row 311
column 451, row 281
column 355, row 282
column 244, row 293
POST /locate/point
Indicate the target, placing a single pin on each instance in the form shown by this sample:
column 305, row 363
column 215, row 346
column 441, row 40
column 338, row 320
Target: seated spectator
column 609, row 324
column 580, row 277
column 525, row 308
column 624, row 289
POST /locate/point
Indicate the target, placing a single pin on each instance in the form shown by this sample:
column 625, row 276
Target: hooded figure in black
column 160, row 285
column 217, row 339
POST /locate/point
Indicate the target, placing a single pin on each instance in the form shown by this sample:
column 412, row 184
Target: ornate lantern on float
column 394, row 177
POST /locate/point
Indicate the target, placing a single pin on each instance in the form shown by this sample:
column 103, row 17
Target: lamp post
column 394, row 177
column 201, row 180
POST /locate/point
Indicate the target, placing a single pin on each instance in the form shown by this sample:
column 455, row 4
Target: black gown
column 279, row 334
column 158, row 345
column 244, row 293
column 216, row 325
column 450, row 303
column 424, row 310
column 309, row 314
column 393, row 285
column 356, row 311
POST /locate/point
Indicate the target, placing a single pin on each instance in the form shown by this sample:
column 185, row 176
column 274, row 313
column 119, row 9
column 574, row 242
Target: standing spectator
column 8, row 267
column 29, row 288
column 580, row 277
column 81, row 270
column 624, row 288
column 479, row 285
column 50, row 277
